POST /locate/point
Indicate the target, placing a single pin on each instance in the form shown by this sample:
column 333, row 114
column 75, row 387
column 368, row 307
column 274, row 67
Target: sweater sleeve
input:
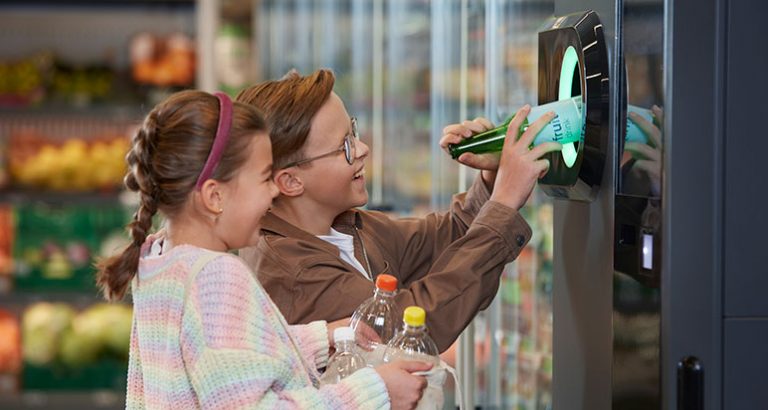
column 234, row 344
column 232, row 378
column 313, row 342
column 135, row 390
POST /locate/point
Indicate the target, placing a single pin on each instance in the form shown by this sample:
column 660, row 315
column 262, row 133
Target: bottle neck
column 414, row 329
column 345, row 345
column 381, row 293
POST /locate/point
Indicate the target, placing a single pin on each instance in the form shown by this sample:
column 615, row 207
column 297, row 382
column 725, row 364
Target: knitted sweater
column 206, row 335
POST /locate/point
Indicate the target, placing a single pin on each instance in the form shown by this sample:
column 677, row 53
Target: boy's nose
column 361, row 149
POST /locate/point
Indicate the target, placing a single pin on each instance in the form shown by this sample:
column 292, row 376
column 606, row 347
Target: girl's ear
column 212, row 196
column 288, row 182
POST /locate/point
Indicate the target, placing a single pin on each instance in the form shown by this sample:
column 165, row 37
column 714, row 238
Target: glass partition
column 636, row 302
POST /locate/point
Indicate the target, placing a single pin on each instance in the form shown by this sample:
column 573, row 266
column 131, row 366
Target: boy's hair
column 167, row 155
column 289, row 104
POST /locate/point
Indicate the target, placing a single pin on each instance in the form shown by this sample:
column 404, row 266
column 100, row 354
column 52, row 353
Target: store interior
column 76, row 77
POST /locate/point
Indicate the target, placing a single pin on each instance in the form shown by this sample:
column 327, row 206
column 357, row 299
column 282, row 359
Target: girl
column 319, row 255
column 205, row 334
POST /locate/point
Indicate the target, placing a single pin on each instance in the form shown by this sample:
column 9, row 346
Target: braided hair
column 167, row 154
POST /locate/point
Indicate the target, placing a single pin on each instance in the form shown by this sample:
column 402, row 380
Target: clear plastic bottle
column 377, row 315
column 413, row 342
column 346, row 360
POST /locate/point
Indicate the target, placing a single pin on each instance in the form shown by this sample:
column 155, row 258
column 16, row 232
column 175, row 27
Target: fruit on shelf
column 41, row 327
column 101, row 329
column 23, row 82
column 10, row 343
column 76, row 165
column 163, row 61
column 54, row 333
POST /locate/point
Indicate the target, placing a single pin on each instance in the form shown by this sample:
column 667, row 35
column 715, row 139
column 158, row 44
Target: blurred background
column 77, row 76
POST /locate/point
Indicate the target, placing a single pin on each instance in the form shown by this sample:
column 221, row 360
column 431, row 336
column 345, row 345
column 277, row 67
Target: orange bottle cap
column 386, row 282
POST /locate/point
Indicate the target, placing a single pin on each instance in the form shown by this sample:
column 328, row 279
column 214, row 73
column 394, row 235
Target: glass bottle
column 566, row 127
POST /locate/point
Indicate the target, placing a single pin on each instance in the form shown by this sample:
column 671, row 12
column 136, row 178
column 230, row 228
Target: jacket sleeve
column 464, row 277
column 235, row 355
column 459, row 282
column 450, row 264
column 421, row 240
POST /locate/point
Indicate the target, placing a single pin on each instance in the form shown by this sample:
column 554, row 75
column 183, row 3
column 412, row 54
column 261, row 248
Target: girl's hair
column 167, row 155
column 289, row 104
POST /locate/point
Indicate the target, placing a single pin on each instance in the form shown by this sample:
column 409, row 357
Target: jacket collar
column 273, row 224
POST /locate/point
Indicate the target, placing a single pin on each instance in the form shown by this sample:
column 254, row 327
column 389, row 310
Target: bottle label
column 565, row 127
column 634, row 133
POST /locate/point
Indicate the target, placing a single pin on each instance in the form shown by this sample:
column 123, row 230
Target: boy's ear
column 288, row 182
column 211, row 196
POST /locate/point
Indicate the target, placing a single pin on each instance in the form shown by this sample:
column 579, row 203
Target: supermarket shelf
column 107, row 110
column 99, row 3
column 73, row 298
column 26, row 197
column 63, row 400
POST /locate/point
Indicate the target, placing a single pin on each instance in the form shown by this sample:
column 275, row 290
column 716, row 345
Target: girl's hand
column 404, row 388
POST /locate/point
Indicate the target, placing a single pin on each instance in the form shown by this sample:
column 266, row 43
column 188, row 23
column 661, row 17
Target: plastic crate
column 55, row 247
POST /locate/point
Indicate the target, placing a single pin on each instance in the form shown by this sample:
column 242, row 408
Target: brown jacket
column 448, row 263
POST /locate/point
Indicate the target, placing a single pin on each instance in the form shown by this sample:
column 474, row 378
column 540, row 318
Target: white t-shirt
column 346, row 247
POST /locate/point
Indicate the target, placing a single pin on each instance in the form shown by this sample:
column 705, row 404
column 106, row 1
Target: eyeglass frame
column 348, row 147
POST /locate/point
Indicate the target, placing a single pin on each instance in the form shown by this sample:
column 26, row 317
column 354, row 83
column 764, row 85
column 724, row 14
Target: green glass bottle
column 566, row 127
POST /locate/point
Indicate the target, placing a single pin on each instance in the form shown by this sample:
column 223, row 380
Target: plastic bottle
column 346, row 360
column 413, row 342
column 377, row 314
column 565, row 128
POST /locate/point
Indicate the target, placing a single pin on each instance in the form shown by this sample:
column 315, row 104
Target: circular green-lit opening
column 570, row 86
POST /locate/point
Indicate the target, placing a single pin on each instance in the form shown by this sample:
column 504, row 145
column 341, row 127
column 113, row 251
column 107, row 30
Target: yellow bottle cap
column 414, row 316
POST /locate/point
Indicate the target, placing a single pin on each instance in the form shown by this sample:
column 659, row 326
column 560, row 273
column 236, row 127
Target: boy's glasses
column 348, row 147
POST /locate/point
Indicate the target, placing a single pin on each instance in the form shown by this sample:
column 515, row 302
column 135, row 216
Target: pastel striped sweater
column 206, row 335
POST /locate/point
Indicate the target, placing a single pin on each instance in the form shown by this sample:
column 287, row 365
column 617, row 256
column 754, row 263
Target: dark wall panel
column 746, row 161
column 746, row 361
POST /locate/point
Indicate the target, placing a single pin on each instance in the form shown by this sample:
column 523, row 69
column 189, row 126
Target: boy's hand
column 455, row 133
column 519, row 166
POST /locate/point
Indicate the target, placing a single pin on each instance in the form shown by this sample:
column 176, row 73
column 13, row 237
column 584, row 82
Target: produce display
column 75, row 82
column 10, row 343
column 66, row 349
column 56, row 246
column 56, row 334
column 163, row 61
column 75, row 164
column 24, row 81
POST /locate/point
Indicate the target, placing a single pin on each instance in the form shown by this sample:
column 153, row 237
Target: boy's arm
column 461, row 280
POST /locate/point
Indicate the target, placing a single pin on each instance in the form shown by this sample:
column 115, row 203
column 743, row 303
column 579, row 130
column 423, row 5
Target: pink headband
column 219, row 141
